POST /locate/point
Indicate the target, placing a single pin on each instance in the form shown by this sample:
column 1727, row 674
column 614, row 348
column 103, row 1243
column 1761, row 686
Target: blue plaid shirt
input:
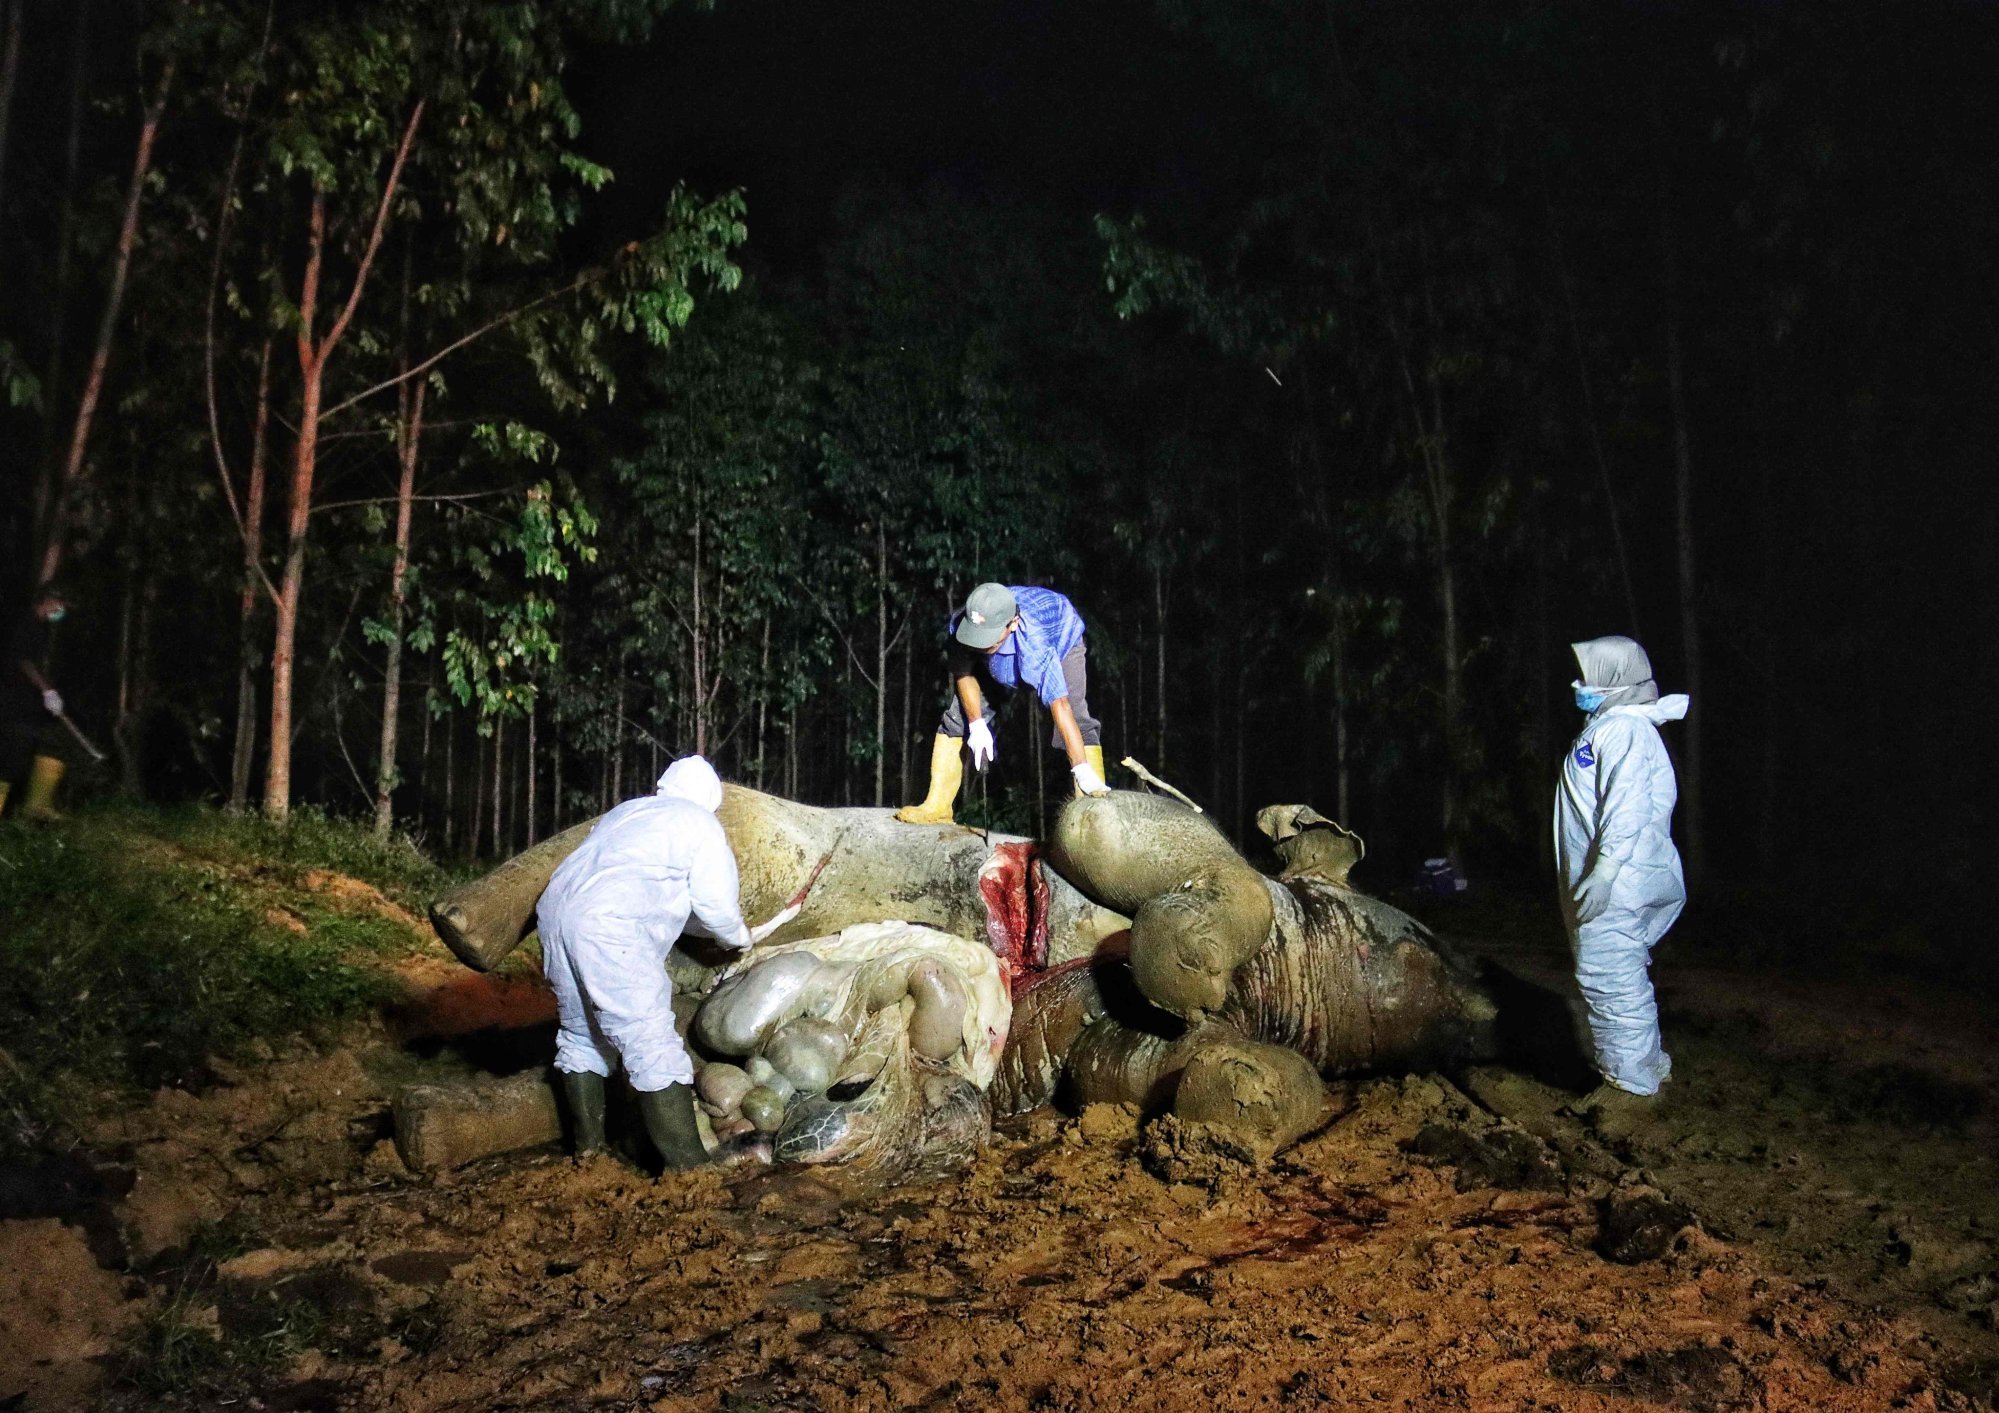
column 1032, row 654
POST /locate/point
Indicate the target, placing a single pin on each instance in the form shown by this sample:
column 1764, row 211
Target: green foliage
column 648, row 289
column 22, row 388
column 493, row 668
column 311, row 839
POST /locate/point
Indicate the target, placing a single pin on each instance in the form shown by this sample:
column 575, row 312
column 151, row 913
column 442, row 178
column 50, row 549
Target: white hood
column 1617, row 667
column 692, row 778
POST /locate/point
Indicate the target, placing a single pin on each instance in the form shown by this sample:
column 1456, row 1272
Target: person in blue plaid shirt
column 1013, row 637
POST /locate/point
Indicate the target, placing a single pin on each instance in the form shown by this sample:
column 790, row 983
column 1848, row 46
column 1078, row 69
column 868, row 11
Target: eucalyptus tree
column 712, row 533
column 442, row 129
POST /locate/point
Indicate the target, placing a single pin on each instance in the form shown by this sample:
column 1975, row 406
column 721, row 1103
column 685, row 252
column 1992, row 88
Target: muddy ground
column 1810, row 1220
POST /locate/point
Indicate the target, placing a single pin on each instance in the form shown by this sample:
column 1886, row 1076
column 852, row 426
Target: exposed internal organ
column 1016, row 892
column 844, row 1046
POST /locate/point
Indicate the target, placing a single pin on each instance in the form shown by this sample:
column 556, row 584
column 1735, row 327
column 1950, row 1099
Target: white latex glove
column 1592, row 894
column 52, row 702
column 979, row 737
column 777, row 920
column 1087, row 779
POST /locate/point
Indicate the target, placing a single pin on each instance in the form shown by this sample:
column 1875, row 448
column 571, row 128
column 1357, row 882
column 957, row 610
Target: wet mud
column 1416, row 1252
column 1807, row 1222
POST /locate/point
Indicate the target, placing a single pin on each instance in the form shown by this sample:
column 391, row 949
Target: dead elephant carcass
column 1224, row 1001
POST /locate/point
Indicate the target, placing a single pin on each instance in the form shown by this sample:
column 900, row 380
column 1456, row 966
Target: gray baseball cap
column 988, row 609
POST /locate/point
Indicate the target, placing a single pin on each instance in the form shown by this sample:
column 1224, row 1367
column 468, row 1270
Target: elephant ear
column 1309, row 845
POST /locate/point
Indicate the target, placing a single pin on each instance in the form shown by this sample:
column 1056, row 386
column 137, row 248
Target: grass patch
column 138, row 945
column 310, row 840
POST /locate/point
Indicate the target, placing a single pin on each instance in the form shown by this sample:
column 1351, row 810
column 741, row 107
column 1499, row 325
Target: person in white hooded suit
column 1622, row 886
column 610, row 914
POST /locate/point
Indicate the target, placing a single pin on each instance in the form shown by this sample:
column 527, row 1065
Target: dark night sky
column 1084, row 106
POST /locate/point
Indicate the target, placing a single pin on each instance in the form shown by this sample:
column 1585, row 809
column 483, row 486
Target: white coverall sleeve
column 1623, row 790
column 713, row 889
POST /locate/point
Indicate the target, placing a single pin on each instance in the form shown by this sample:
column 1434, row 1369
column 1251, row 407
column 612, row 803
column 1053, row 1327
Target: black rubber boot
column 669, row 1120
column 583, row 1096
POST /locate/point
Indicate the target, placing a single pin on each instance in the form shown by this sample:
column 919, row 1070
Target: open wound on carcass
column 1015, row 890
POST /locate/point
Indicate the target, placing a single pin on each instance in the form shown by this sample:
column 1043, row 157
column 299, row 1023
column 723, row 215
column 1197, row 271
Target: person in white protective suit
column 609, row 916
column 1622, row 887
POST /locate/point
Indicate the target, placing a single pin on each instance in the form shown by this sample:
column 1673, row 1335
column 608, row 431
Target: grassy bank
column 135, row 945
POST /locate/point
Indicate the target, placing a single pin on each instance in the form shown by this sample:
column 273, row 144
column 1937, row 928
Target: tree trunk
column 1123, row 710
column 1241, row 749
column 278, row 765
column 121, row 720
column 499, row 785
column 1239, row 639
column 1441, row 493
column 1217, row 757
column 1544, row 645
column 409, row 440
column 450, row 781
column 1342, row 757
column 65, row 244
column 1159, row 615
column 249, row 597
column 64, row 494
column 478, row 821
column 763, row 702
column 531, row 758
column 1591, row 420
column 903, row 782
column 10, row 68
column 794, row 755
column 618, row 741
column 423, row 751
column 1447, row 596
column 556, row 813
column 1691, row 819
column 135, row 639
column 518, row 825
column 1034, row 734
column 1777, row 711
column 313, row 354
column 881, row 666
column 697, row 646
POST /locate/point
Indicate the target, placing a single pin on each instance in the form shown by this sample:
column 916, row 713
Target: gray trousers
column 1075, row 675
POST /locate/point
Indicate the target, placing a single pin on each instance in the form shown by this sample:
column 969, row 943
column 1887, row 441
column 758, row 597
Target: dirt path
column 1078, row 1266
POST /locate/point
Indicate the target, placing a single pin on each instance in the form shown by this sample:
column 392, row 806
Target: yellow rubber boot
column 38, row 797
column 6, row 786
column 1095, row 756
column 947, row 772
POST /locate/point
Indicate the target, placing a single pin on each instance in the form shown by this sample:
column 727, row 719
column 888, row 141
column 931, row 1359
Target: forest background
column 421, row 387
